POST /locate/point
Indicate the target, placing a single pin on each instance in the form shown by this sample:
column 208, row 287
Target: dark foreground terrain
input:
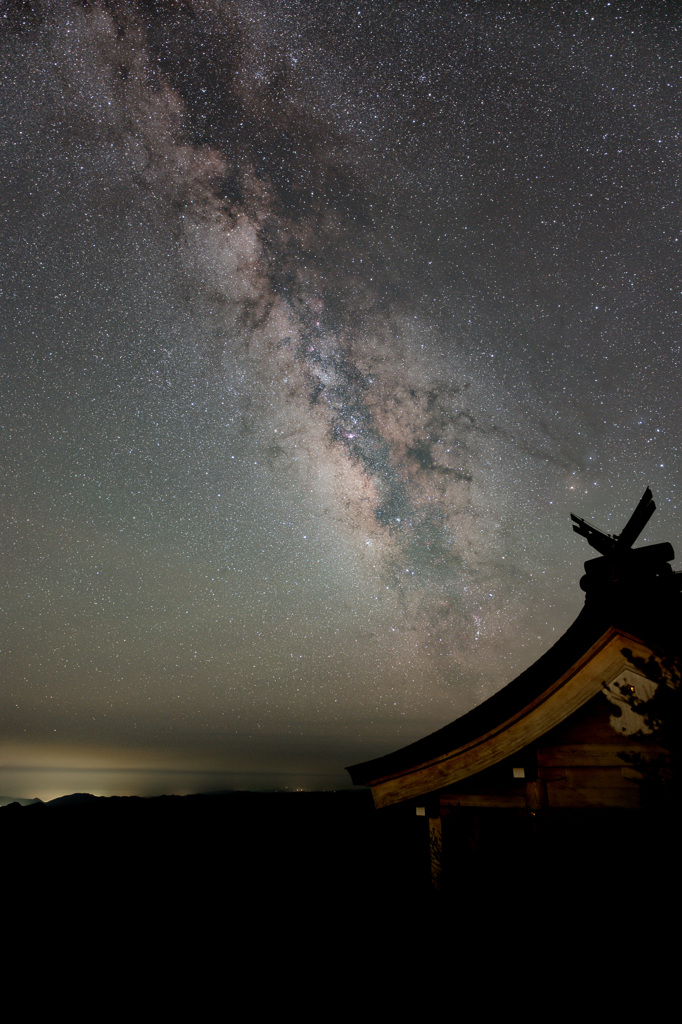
column 322, row 878
column 235, row 856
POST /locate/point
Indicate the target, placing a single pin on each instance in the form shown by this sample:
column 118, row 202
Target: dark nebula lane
column 317, row 321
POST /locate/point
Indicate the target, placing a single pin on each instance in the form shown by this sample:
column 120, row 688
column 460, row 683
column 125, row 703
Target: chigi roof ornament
column 620, row 564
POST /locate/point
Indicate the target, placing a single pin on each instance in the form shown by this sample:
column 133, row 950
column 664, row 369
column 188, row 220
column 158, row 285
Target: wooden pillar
column 436, row 846
column 536, row 804
column 536, row 795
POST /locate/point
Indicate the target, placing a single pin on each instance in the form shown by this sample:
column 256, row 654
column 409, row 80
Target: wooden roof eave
column 601, row 663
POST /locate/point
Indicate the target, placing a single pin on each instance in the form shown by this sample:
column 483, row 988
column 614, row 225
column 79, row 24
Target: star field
column 317, row 322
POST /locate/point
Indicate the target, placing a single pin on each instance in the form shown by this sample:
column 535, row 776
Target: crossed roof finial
column 622, row 567
column 616, row 544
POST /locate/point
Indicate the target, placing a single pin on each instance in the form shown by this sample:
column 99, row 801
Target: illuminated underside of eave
column 601, row 663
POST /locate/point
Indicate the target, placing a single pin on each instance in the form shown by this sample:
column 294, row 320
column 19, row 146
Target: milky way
column 317, row 321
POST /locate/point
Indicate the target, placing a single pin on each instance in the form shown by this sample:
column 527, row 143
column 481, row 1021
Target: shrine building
column 557, row 742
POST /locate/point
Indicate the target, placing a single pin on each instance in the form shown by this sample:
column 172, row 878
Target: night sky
column 317, row 321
